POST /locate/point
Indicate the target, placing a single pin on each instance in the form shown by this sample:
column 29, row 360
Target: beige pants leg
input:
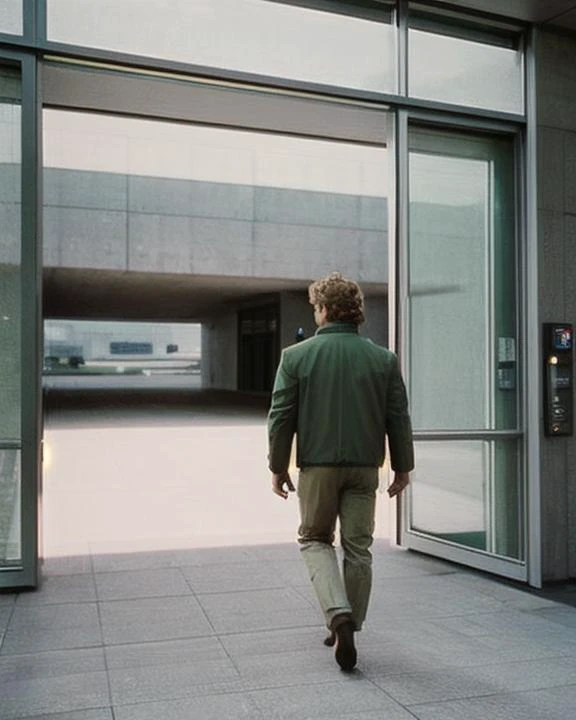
column 327, row 494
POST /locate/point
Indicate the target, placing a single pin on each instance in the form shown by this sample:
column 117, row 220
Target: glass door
column 19, row 312
column 461, row 349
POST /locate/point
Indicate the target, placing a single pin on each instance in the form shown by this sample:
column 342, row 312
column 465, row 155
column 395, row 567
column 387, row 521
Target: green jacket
column 340, row 394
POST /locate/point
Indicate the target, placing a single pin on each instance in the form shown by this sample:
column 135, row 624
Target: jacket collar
column 337, row 327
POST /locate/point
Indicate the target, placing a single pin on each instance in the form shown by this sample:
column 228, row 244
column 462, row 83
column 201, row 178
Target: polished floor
column 154, row 610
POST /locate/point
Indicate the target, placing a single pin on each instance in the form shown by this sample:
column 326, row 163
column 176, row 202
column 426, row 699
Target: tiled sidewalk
column 235, row 634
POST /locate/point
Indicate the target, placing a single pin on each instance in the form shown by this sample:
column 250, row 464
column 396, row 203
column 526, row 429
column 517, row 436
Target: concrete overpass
column 235, row 258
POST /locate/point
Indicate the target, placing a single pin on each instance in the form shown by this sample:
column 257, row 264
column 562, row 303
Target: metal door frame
column 27, row 574
column 527, row 569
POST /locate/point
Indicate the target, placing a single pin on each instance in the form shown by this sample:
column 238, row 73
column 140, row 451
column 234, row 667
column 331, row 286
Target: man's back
column 348, row 392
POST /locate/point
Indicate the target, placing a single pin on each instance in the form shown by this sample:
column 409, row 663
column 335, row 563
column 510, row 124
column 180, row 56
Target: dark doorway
column 258, row 345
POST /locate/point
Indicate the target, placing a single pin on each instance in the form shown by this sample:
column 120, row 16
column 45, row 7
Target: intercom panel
column 558, row 363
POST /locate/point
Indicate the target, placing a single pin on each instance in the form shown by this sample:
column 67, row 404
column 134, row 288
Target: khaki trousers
column 347, row 494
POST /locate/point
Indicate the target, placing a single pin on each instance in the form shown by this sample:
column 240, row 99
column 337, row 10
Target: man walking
column 341, row 395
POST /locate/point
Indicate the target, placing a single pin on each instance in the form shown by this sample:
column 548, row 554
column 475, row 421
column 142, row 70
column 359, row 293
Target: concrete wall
column 220, row 352
column 119, row 222
column 556, row 105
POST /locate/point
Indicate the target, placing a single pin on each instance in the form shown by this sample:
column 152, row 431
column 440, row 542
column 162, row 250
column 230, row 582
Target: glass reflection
column 462, row 282
column 468, row 493
column 11, row 17
column 449, row 492
column 10, row 275
column 10, row 511
column 10, row 316
column 461, row 71
column 449, row 236
column 254, row 36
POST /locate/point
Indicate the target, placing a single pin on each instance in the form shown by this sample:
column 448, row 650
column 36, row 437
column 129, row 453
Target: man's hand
column 401, row 481
column 279, row 480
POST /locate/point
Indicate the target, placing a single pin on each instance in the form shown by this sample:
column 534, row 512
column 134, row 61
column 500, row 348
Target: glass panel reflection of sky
column 11, row 17
column 254, row 36
column 467, row 73
column 449, row 236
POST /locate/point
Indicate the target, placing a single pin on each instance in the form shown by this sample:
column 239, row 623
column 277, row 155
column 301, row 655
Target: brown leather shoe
column 342, row 627
column 330, row 639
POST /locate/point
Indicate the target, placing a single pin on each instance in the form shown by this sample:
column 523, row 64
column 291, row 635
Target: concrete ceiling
column 111, row 295
column 101, row 294
column 557, row 13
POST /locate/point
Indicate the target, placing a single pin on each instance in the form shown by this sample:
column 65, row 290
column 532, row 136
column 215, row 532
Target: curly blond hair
column 342, row 298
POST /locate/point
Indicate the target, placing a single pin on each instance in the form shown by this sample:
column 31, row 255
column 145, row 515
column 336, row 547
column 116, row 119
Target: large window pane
column 462, row 287
column 468, row 493
column 10, row 204
column 460, row 65
column 463, row 339
column 255, row 36
column 10, row 513
column 10, row 316
column 11, row 17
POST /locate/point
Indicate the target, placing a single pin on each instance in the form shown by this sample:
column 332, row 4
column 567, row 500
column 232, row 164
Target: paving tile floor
column 170, row 620
column 236, row 635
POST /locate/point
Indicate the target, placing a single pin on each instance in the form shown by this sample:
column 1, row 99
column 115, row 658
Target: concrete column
column 220, row 352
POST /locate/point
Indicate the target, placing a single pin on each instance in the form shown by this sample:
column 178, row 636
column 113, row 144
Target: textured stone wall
column 556, row 104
